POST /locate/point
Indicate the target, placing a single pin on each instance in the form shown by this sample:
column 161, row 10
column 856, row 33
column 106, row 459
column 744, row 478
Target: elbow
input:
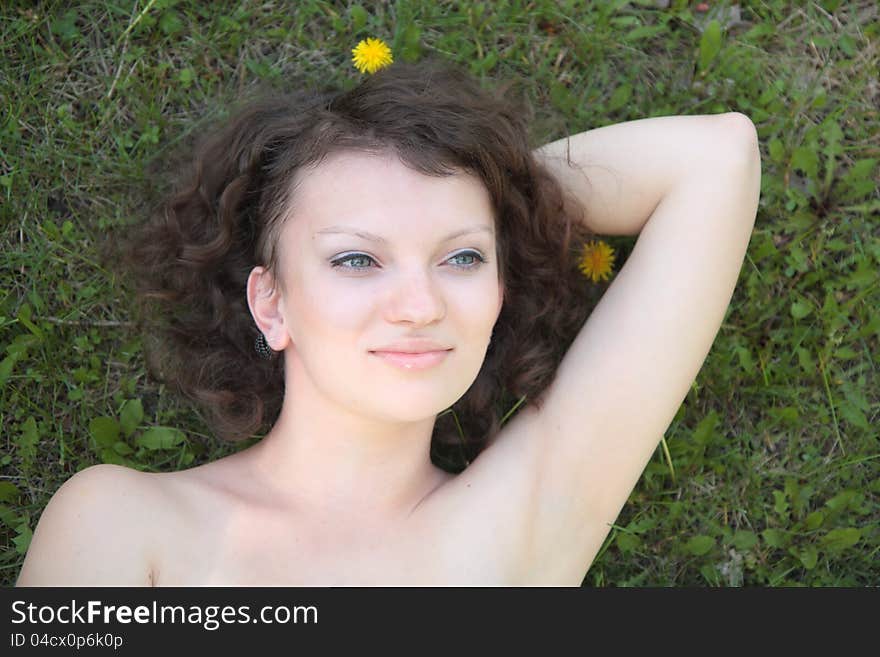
column 746, row 157
column 740, row 132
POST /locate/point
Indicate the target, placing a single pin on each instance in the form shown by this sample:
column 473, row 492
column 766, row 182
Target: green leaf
column 860, row 174
column 781, row 504
column 358, row 18
column 833, row 135
column 805, row 360
column 710, row 573
column 123, row 449
column 776, row 150
column 186, row 77
column 27, row 441
column 51, row 230
column 624, row 21
column 65, row 27
column 412, row 45
column 855, row 395
column 23, row 540
column 105, row 430
column 758, row 31
column 745, row 359
column 24, row 316
column 562, row 97
column 130, row 416
column 744, row 540
column 798, row 259
column 8, row 491
column 800, row 309
column 700, row 545
column 8, row 517
column 846, row 353
column 787, row 414
column 488, row 62
column 643, row 525
column 130, row 349
column 774, row 538
column 160, row 438
column 258, row 68
column 837, row 540
column 710, row 44
column 227, row 23
column 864, row 275
column 809, row 556
column 806, row 159
column 853, row 415
column 626, row 542
column 840, row 501
column 814, row 520
column 620, row 97
column 706, row 428
column 170, row 23
column 6, row 368
column 644, row 32
column 109, row 455
column 848, row 45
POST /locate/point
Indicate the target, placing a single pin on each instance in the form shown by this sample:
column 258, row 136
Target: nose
column 415, row 298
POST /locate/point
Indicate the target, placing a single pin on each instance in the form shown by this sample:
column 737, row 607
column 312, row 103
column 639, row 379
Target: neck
column 330, row 461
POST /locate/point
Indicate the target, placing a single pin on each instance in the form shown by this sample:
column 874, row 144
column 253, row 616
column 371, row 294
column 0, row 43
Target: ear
column 264, row 300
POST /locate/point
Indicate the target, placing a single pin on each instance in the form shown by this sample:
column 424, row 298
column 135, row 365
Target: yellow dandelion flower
column 596, row 261
column 371, row 54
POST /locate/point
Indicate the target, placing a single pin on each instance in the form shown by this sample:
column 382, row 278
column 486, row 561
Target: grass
column 768, row 474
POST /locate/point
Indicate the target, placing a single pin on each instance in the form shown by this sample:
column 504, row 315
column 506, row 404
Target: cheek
column 475, row 311
column 337, row 307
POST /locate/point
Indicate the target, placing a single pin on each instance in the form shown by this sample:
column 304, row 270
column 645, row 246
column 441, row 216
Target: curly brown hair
column 190, row 261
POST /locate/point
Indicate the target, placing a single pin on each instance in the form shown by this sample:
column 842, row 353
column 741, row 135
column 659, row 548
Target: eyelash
column 337, row 263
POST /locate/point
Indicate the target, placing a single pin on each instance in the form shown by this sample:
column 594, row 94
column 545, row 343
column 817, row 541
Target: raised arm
column 556, row 478
column 620, row 172
column 689, row 187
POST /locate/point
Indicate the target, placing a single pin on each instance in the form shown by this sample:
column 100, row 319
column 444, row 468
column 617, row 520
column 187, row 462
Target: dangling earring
column 262, row 347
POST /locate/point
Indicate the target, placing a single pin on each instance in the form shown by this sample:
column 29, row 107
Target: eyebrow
column 376, row 238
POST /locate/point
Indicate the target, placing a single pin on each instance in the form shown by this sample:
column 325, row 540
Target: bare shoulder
column 480, row 520
column 95, row 531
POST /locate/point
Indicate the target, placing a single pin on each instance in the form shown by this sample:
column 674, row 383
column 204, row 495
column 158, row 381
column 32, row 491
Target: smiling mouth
column 413, row 361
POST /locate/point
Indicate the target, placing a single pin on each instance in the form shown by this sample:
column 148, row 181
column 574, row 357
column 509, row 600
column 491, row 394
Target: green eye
column 338, row 263
column 353, row 256
column 477, row 259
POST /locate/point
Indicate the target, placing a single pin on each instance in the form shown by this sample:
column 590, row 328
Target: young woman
column 378, row 277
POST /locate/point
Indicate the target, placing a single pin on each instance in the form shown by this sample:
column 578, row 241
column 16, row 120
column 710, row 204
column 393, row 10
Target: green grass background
column 768, row 474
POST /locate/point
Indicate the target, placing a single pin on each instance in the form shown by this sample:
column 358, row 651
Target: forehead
column 379, row 190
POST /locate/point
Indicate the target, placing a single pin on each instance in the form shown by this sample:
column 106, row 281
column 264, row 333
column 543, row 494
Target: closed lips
column 413, row 347
column 397, row 351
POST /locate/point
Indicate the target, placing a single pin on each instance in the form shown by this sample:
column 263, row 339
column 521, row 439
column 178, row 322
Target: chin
column 411, row 402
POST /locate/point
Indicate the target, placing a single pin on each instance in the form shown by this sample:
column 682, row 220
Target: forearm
column 620, row 172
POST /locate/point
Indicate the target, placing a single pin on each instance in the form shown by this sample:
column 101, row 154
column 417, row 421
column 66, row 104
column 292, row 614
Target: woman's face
column 423, row 266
